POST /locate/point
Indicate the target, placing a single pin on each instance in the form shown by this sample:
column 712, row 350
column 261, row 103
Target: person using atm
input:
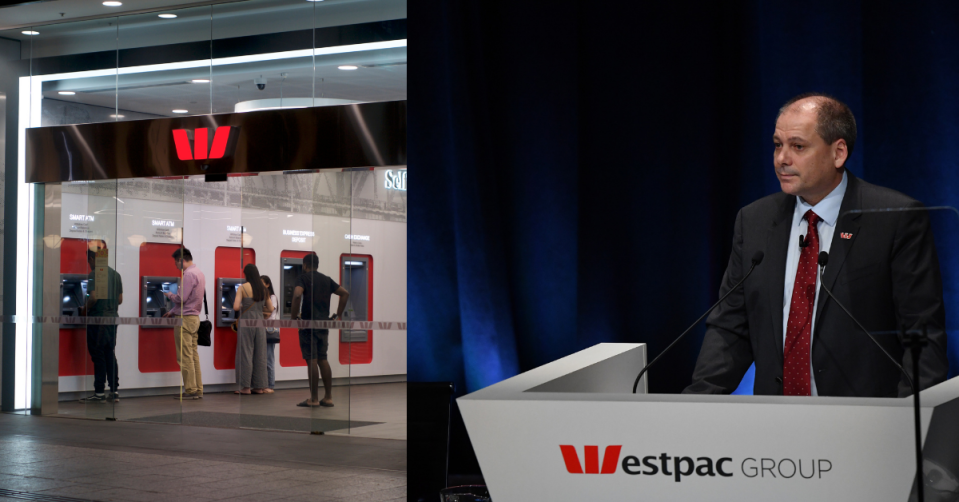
column 102, row 339
column 313, row 291
column 187, row 304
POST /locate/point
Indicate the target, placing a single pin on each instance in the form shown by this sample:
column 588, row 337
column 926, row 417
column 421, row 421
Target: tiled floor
column 117, row 461
column 383, row 405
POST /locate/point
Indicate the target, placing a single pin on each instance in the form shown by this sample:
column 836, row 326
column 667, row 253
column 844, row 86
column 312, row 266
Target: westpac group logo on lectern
column 678, row 467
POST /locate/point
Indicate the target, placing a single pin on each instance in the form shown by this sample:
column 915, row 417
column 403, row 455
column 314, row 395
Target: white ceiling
column 381, row 76
column 53, row 11
column 194, row 23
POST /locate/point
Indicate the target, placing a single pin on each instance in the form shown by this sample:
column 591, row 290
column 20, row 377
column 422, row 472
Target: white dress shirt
column 828, row 212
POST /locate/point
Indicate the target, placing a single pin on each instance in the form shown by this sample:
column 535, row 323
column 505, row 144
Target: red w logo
column 200, row 141
column 591, row 454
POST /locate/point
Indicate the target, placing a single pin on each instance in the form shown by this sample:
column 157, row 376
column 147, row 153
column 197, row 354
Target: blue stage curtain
column 577, row 166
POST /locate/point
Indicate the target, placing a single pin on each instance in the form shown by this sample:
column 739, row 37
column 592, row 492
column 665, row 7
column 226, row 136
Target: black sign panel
column 356, row 135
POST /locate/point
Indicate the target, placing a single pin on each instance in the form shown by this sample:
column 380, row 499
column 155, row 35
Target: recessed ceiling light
column 181, row 111
column 30, row 32
column 66, row 93
column 168, row 16
column 112, row 3
column 347, row 67
column 314, row 0
column 201, row 81
column 116, row 116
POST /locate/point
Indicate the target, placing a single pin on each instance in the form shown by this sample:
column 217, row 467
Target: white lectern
column 572, row 430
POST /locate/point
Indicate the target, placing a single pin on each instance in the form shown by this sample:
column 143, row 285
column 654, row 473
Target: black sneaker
column 96, row 398
column 115, row 396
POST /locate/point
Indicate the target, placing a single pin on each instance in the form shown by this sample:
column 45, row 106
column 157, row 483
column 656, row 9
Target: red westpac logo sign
column 591, row 458
column 200, row 149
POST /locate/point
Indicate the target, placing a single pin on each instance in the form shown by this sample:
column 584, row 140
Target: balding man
column 883, row 267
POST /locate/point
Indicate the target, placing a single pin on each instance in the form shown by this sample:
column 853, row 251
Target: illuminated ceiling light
column 168, row 16
column 112, row 116
column 201, row 81
column 347, row 67
column 112, row 3
column 30, row 32
column 314, row 0
column 181, row 111
column 66, row 93
column 287, row 103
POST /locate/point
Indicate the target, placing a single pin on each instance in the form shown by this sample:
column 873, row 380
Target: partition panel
column 332, row 228
column 164, row 64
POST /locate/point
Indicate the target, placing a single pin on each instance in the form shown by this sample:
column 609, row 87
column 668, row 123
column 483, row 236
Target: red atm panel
column 290, row 354
column 359, row 352
column 74, row 357
column 228, row 266
column 156, row 352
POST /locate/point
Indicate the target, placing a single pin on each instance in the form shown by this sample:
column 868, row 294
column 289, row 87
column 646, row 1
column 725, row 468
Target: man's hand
column 168, row 314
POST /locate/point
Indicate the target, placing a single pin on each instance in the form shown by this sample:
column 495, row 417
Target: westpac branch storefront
column 243, row 163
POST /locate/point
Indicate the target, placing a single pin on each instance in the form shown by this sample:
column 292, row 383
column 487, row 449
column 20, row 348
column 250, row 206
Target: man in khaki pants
column 187, row 303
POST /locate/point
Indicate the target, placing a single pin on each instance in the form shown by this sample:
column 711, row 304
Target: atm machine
column 153, row 302
column 228, row 289
column 291, row 268
column 73, row 295
column 355, row 276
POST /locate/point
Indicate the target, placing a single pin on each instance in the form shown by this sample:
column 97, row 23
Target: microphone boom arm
column 912, row 384
column 680, row 337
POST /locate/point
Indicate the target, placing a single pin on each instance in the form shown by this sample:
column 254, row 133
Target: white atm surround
column 517, row 426
column 205, row 228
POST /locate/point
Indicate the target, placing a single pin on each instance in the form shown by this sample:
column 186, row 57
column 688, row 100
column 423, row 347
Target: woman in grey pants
column 251, row 303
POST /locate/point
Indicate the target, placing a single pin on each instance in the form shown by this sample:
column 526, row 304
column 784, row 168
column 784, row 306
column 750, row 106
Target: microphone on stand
column 823, row 260
column 916, row 345
column 757, row 259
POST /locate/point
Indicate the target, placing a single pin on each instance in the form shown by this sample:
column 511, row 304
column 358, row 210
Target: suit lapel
column 839, row 249
column 777, row 247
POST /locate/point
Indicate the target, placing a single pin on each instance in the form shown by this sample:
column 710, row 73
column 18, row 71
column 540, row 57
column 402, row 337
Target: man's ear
column 840, row 152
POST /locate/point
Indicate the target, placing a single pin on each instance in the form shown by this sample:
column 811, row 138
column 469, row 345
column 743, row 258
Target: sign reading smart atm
column 359, row 135
column 680, row 466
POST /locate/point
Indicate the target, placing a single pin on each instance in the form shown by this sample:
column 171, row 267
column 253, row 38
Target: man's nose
column 780, row 158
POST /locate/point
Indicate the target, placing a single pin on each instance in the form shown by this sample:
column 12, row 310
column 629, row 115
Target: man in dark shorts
column 313, row 289
column 102, row 339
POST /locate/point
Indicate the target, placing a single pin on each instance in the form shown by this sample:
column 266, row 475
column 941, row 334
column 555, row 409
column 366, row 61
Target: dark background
column 578, row 165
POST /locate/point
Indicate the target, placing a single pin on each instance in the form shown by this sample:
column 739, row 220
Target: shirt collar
column 828, row 208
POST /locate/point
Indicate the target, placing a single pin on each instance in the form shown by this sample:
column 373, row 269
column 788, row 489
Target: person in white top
column 272, row 336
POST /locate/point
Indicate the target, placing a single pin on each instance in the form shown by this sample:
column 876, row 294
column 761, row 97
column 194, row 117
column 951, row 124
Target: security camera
column 260, row 83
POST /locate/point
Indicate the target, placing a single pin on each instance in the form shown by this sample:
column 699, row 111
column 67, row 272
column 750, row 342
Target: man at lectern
column 886, row 267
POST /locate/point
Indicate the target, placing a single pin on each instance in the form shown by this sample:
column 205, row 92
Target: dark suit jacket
column 886, row 274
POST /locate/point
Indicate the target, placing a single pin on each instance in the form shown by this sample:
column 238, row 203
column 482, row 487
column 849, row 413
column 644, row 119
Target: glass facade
column 106, row 299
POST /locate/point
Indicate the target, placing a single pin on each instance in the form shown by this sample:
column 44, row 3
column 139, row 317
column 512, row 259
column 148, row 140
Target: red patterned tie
column 796, row 357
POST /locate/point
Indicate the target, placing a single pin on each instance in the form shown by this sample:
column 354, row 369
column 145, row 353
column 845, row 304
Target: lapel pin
column 845, row 235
